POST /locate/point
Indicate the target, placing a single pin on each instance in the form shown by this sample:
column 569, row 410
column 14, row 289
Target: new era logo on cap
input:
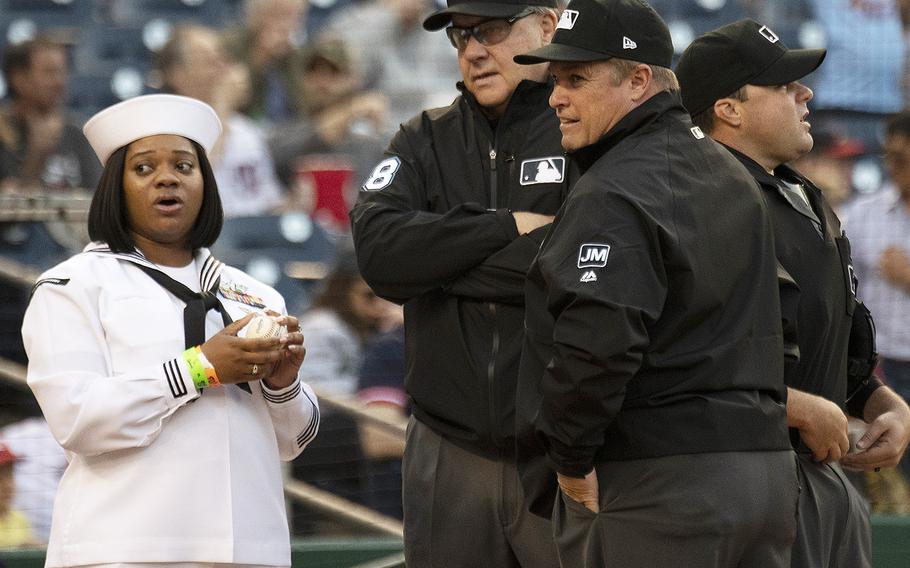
column 567, row 20
column 628, row 43
column 768, row 34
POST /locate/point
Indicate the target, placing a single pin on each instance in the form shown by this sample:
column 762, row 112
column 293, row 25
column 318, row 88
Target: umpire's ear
column 728, row 111
column 548, row 21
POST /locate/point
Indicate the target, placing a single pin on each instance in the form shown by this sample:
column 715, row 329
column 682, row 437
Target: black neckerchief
column 197, row 306
column 197, row 303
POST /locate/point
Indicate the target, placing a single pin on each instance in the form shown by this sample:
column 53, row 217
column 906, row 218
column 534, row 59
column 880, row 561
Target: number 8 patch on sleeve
column 382, row 175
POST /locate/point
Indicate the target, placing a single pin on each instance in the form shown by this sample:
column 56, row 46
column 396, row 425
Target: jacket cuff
column 281, row 396
column 180, row 385
column 573, row 462
column 856, row 401
column 507, row 221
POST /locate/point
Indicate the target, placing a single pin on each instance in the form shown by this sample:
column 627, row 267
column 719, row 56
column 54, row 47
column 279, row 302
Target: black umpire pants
column 721, row 510
column 833, row 529
column 462, row 510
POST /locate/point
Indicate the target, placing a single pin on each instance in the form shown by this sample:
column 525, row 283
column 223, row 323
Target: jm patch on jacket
column 593, row 255
column 543, row 170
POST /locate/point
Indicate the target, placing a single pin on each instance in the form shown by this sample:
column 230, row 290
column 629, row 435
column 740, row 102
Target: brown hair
column 336, row 289
column 18, row 58
column 620, row 68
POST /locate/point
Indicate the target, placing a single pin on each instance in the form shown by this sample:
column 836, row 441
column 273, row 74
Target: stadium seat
column 105, row 48
column 215, row 13
column 50, row 13
column 90, row 93
column 689, row 19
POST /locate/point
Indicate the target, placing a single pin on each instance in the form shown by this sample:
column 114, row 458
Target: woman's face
column 162, row 189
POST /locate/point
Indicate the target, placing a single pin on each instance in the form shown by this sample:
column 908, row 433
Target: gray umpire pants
column 833, row 529
column 462, row 510
column 721, row 510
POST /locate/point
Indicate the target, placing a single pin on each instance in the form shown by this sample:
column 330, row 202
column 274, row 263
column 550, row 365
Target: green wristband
column 197, row 369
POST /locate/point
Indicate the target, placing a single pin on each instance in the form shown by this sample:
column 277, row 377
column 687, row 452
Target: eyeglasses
column 490, row 32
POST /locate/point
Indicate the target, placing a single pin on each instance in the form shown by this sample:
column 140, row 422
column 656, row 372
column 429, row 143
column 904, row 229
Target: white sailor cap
column 148, row 115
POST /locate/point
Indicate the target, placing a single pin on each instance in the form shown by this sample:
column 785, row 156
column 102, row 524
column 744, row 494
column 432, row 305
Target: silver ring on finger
column 254, row 370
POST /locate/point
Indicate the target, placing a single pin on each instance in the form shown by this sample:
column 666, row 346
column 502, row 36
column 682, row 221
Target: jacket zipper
column 493, row 196
column 494, row 351
column 491, row 378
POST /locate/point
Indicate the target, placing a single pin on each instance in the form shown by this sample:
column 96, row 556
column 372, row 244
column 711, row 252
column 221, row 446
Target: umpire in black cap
column 743, row 88
column 500, row 9
column 652, row 373
column 447, row 224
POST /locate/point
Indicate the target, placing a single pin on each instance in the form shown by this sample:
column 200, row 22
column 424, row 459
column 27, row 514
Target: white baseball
column 855, row 430
column 263, row 325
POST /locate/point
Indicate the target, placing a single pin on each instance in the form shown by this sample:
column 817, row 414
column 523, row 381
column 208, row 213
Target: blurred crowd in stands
column 309, row 94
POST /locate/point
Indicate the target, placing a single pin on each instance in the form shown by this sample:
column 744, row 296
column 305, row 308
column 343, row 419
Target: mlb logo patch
column 567, row 20
column 593, row 255
column 543, row 170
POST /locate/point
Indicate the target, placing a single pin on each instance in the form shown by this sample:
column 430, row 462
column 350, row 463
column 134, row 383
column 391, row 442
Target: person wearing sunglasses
column 447, row 224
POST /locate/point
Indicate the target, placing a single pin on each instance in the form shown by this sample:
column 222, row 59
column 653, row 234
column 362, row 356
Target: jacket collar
column 781, row 172
column 527, row 94
column 637, row 119
column 208, row 266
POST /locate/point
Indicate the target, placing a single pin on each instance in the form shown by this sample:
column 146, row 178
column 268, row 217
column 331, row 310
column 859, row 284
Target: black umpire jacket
column 433, row 230
column 812, row 247
column 653, row 320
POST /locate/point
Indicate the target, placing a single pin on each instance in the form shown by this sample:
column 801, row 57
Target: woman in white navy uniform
column 174, row 425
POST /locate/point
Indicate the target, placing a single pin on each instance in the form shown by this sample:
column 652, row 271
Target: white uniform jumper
column 158, row 472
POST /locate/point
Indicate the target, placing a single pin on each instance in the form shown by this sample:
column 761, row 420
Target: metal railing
column 17, row 273
column 393, row 561
column 42, row 206
column 12, row 372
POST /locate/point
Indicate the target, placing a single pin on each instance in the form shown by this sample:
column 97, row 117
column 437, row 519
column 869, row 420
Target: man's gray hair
column 542, row 10
column 663, row 76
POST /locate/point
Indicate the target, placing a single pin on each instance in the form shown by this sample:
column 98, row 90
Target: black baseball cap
column 486, row 8
column 597, row 30
column 742, row 53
